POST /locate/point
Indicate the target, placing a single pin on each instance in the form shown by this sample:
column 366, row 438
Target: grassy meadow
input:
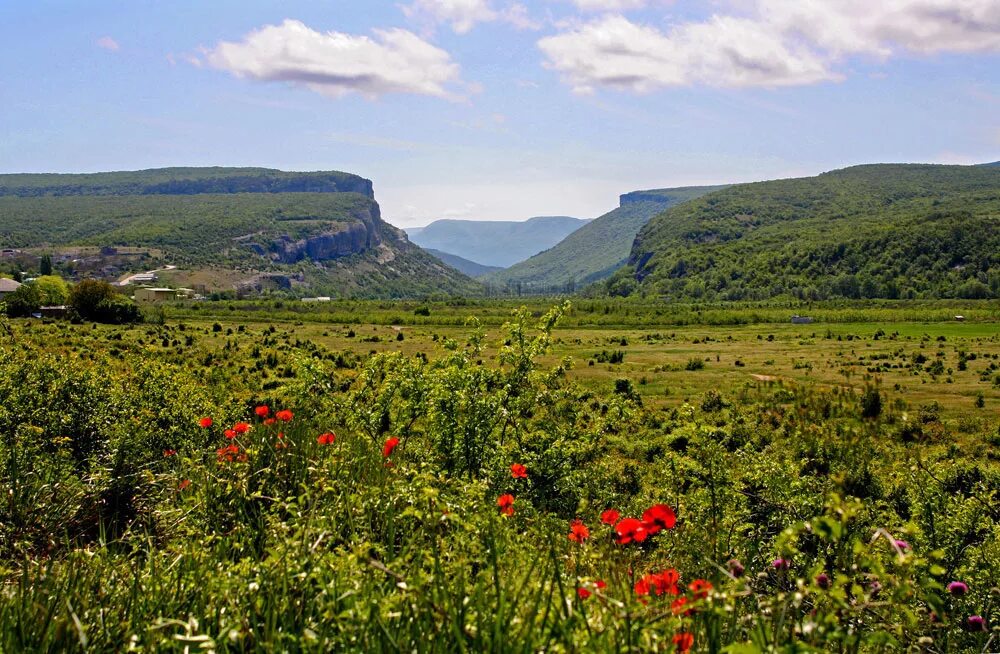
column 474, row 476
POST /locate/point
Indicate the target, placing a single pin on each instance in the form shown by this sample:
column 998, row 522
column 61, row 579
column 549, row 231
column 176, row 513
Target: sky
column 500, row 109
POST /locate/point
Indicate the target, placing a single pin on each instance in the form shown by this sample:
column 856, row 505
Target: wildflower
column 230, row 453
column 600, row 584
column 780, row 564
column 665, row 582
column 902, row 545
column 875, row 587
column 678, row 606
column 683, row 641
column 262, row 411
column 610, row 517
column 700, row 588
column 582, row 592
column 958, row 588
column 518, row 471
column 241, row 428
column 284, row 415
column 389, row 446
column 230, row 434
column 736, row 568
column 658, row 517
column 823, row 580
column 506, row 504
column 327, row 438
column 630, row 529
column 975, row 623
column 184, row 484
column 205, row 422
column 269, row 421
column 169, row 453
column 641, row 587
column 578, row 531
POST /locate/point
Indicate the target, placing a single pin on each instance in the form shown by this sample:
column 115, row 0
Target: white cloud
column 777, row 43
column 108, row 43
column 463, row 15
column 608, row 5
column 335, row 64
column 886, row 26
column 723, row 51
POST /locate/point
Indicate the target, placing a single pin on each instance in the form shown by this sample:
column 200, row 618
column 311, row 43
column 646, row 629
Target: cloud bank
column 777, row 43
column 336, row 64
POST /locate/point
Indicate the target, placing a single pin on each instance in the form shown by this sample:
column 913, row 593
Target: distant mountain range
column 596, row 250
column 318, row 232
column 873, row 231
column 494, row 243
column 470, row 268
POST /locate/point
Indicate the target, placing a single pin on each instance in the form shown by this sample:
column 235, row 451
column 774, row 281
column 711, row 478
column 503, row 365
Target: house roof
column 8, row 285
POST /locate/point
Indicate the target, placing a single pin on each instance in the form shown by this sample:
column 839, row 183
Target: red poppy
column 326, row 439
column 168, row 453
column 284, row 415
column 241, row 428
column 184, row 484
column 678, row 606
column 262, row 411
column 578, row 531
column 630, row 529
column 269, row 421
column 582, row 593
column 610, row 517
column 390, row 445
column 658, row 517
column 700, row 588
column 683, row 641
column 642, row 586
column 600, row 584
column 506, row 504
column 665, row 582
column 230, row 434
column 230, row 453
column 518, row 471
column 205, row 422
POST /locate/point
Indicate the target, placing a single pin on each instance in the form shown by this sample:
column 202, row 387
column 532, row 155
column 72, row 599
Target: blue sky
column 496, row 109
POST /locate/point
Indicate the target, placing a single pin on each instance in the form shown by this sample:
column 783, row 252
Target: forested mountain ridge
column 872, row 231
column 596, row 250
column 321, row 230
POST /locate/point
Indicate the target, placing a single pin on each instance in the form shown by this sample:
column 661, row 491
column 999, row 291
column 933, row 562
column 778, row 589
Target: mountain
column 495, row 243
column 874, row 231
column 596, row 250
column 316, row 233
column 470, row 268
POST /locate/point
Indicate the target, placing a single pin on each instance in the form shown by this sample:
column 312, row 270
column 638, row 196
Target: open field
column 436, row 486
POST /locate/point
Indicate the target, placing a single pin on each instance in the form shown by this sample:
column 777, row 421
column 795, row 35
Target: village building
column 7, row 286
column 155, row 294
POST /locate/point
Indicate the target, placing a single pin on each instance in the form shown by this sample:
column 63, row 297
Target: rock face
column 340, row 240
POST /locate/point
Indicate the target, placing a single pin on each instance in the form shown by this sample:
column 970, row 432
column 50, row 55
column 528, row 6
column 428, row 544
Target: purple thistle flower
column 976, row 623
column 902, row 544
column 958, row 588
column 823, row 580
column 780, row 564
column 736, row 568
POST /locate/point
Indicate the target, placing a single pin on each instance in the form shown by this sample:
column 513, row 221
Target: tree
column 52, row 290
column 22, row 302
column 88, row 296
column 45, row 265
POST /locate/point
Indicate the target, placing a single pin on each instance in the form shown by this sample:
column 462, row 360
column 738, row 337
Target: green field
column 795, row 458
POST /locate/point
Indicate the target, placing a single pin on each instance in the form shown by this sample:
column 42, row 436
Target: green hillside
column 307, row 232
column 876, row 231
column 596, row 250
column 470, row 268
column 495, row 242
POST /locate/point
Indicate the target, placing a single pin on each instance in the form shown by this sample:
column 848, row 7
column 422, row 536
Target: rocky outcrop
column 341, row 239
